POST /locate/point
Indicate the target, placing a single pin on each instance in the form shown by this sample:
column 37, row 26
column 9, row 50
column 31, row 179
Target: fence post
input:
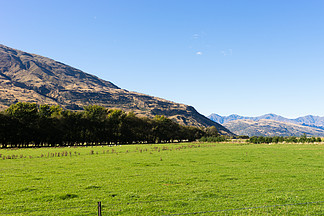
column 99, row 208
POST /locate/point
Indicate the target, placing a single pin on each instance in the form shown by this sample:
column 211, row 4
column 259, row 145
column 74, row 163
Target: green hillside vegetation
column 164, row 179
column 30, row 125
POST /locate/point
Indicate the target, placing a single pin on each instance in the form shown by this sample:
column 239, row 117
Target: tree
column 303, row 138
column 25, row 112
column 212, row 131
column 95, row 112
column 164, row 129
column 47, row 111
column 115, row 120
column 94, row 121
column 27, row 115
column 8, row 130
column 27, row 124
column 72, row 127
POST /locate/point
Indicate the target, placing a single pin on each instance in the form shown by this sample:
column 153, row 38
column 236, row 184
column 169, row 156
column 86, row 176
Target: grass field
column 218, row 179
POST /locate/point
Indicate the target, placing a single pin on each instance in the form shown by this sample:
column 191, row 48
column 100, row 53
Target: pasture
column 164, row 179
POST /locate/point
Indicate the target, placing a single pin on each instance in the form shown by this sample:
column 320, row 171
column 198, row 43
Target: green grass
column 164, row 180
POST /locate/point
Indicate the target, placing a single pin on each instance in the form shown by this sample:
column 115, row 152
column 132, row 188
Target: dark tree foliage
column 214, row 139
column 243, row 137
column 32, row 125
column 277, row 139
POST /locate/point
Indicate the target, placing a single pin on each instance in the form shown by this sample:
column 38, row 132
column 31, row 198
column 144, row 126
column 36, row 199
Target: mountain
column 268, row 127
column 310, row 120
column 271, row 125
column 32, row 78
column 223, row 119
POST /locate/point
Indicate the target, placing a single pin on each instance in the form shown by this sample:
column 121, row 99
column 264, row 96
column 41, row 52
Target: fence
column 102, row 208
column 254, row 210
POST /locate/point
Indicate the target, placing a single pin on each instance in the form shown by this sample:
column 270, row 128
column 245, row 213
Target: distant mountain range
column 267, row 127
column 308, row 120
column 271, row 125
column 27, row 77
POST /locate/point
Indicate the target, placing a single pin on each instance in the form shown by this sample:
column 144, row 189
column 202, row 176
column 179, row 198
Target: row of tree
column 214, row 139
column 29, row 124
column 280, row 139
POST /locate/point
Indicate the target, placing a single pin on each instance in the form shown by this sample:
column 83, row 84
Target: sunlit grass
column 163, row 179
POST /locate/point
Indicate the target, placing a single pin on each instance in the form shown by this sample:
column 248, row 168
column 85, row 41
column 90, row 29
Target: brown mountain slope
column 28, row 77
column 267, row 127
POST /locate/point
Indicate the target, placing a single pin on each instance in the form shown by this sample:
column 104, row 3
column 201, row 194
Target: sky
column 246, row 57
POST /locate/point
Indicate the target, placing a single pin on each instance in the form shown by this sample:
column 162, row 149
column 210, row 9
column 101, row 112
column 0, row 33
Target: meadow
column 164, row 179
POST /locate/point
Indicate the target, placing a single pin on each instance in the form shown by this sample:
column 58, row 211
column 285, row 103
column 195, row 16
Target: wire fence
column 107, row 208
column 95, row 209
column 85, row 209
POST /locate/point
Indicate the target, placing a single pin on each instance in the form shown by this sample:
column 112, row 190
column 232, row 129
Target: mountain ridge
column 269, row 127
column 33, row 78
column 308, row 120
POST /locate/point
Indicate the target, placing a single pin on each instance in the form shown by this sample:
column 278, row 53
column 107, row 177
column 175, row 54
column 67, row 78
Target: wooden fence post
column 99, row 208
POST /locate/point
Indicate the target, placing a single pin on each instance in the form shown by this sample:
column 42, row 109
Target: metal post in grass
column 99, row 208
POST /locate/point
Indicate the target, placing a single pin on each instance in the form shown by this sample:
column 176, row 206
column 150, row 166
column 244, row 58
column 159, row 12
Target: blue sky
column 248, row 57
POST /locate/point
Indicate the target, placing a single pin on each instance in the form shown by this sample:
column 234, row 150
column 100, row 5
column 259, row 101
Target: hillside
column 28, row 77
column 267, row 127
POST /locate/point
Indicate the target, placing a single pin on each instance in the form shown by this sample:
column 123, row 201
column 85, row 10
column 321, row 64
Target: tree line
column 280, row 139
column 32, row 125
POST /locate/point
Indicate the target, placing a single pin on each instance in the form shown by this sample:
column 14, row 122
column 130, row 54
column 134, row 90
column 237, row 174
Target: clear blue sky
column 248, row 57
